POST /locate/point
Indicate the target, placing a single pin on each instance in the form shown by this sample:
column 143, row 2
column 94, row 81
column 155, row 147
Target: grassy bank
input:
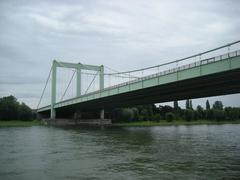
column 19, row 123
column 176, row 122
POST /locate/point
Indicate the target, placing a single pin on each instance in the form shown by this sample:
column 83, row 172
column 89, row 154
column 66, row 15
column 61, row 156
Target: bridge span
column 212, row 76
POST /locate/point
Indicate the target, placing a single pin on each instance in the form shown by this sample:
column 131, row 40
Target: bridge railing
column 181, row 68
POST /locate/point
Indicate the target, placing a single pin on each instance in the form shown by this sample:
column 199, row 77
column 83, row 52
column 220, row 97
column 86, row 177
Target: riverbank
column 15, row 123
column 20, row 123
column 173, row 123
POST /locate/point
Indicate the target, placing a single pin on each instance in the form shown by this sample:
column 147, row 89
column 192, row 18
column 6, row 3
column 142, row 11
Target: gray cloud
column 121, row 34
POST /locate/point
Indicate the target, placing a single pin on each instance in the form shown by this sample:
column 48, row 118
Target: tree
column 218, row 114
column 232, row 113
column 146, row 111
column 165, row 109
column 200, row 112
column 25, row 113
column 9, row 108
column 188, row 115
column 157, row 117
column 187, row 104
column 170, row 116
column 208, row 105
column 175, row 105
column 190, row 104
column 218, row 105
column 209, row 114
column 135, row 113
column 127, row 114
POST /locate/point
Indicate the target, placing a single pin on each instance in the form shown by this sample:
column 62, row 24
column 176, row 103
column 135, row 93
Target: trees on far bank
column 152, row 113
column 11, row 109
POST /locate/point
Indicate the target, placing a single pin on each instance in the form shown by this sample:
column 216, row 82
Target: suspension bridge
column 90, row 87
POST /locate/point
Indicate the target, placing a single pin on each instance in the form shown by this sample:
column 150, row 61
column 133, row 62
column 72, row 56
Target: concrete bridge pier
column 53, row 114
column 77, row 115
column 102, row 114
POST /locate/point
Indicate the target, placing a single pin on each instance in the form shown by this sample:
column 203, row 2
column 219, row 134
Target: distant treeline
column 152, row 113
column 11, row 109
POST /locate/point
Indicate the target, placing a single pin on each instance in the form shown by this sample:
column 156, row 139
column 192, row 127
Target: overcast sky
column 124, row 35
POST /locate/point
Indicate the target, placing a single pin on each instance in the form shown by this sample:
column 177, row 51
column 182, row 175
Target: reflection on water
column 182, row 152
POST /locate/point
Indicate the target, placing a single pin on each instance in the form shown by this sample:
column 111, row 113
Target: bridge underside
column 223, row 83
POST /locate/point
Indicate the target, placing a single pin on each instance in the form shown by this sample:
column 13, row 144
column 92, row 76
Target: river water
column 170, row 152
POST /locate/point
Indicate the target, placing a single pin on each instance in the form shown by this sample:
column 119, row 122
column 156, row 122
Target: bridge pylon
column 78, row 67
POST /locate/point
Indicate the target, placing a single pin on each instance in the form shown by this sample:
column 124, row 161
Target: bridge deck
column 197, row 75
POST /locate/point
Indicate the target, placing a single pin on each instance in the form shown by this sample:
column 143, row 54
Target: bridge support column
column 102, row 114
column 78, row 79
column 77, row 115
column 101, row 78
column 53, row 113
column 53, row 89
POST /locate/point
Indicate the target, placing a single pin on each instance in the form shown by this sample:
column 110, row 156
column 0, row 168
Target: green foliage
column 218, row 114
column 152, row 113
column 128, row 114
column 187, row 104
column 25, row 113
column 188, row 115
column 170, row 116
column 200, row 112
column 209, row 114
column 175, row 105
column 156, row 117
column 135, row 113
column 165, row 109
column 232, row 113
column 190, row 104
column 218, row 105
column 208, row 107
column 141, row 118
column 11, row 109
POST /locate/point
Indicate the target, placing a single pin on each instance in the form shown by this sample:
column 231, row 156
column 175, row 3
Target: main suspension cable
column 178, row 60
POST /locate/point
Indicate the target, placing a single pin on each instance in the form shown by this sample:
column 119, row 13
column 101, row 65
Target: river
column 170, row 152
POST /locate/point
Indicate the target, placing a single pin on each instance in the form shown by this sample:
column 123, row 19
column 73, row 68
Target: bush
column 135, row 113
column 170, row 116
column 141, row 118
column 127, row 114
column 232, row 113
column 156, row 117
column 188, row 115
column 209, row 114
column 218, row 115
